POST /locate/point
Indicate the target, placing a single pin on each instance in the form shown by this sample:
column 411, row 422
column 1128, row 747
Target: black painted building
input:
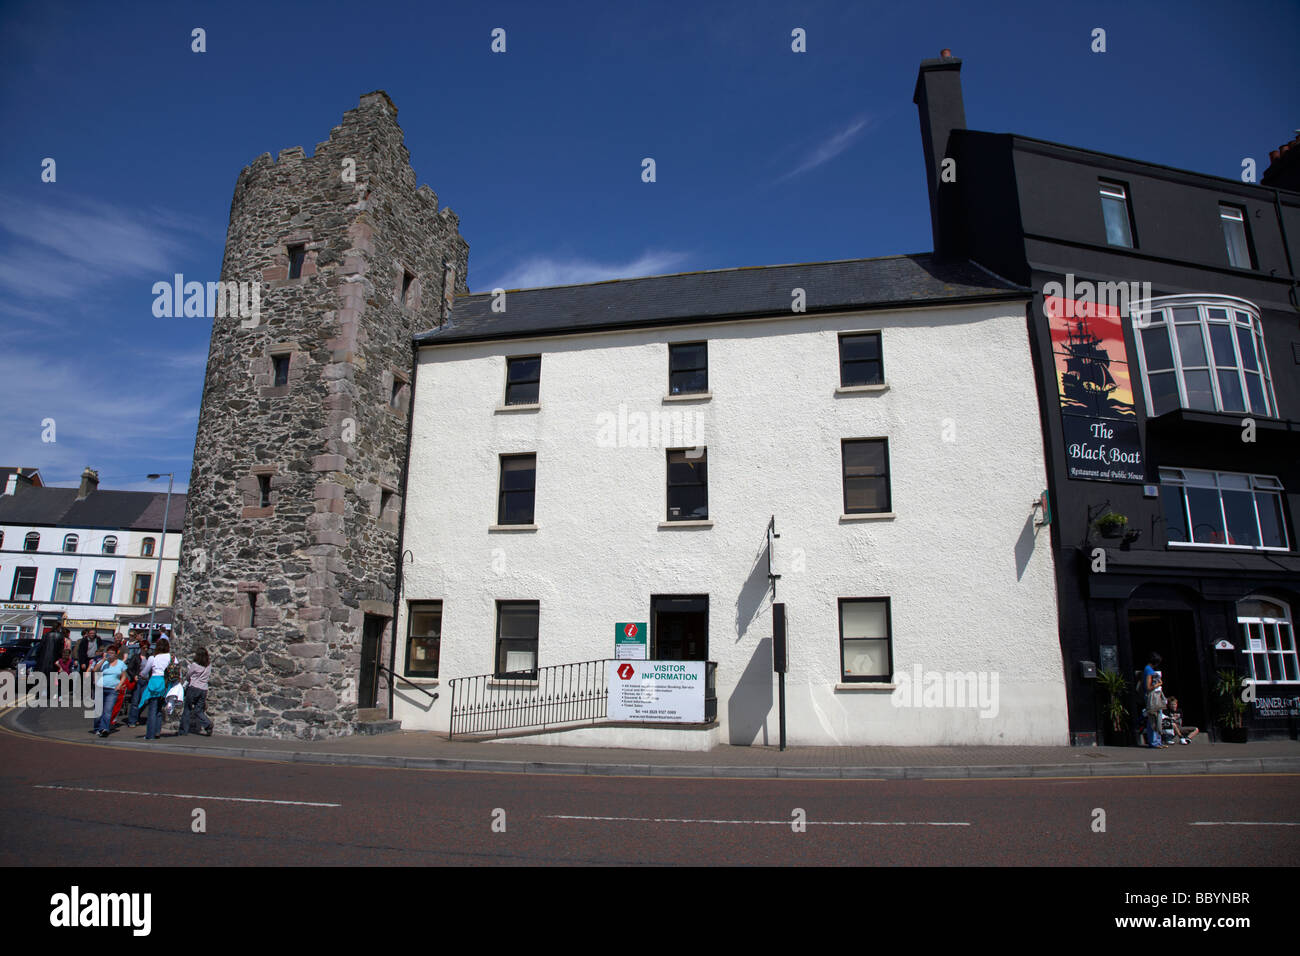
column 1166, row 331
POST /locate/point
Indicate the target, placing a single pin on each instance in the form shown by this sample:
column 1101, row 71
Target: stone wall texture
column 279, row 591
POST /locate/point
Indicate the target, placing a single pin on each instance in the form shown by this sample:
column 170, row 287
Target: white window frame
column 58, row 579
column 1271, row 631
column 110, row 544
column 94, row 589
column 1107, row 189
column 1158, row 313
column 1258, row 484
column 1228, row 213
column 70, row 542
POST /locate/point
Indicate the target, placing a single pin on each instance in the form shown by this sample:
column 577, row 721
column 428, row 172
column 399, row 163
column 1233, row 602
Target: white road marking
column 1240, row 823
column 778, row 823
column 192, row 796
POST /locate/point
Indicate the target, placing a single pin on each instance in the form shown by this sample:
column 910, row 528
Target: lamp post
column 162, row 545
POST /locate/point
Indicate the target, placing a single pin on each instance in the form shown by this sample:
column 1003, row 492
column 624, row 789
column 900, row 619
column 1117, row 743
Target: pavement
column 425, row 750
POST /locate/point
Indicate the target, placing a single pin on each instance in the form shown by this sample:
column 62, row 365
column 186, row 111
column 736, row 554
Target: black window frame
column 846, row 678
column 1128, row 211
column 1252, row 262
column 701, row 459
column 279, row 370
column 32, row 541
column 18, row 576
column 502, row 491
column 518, row 383
column 297, row 258
column 887, row 476
column 498, row 660
column 422, row 607
column 264, row 491
column 879, row 361
column 678, row 368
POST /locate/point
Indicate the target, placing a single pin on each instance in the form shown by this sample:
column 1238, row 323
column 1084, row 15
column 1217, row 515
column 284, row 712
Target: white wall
column 971, row 582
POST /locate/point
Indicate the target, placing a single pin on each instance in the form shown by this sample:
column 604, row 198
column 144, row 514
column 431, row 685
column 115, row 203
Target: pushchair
column 174, row 703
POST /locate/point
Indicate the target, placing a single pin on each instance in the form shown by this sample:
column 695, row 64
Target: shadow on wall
column 752, row 594
column 1025, row 546
column 751, row 699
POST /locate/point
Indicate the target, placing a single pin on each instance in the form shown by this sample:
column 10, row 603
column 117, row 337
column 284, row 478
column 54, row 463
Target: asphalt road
column 89, row 806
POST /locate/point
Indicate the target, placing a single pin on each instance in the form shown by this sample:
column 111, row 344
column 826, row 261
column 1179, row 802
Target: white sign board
column 657, row 691
column 1257, row 645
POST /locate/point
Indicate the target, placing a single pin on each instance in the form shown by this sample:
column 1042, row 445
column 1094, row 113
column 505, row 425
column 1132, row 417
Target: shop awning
column 21, row 618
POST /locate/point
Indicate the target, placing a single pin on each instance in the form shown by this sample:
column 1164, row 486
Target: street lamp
column 162, row 545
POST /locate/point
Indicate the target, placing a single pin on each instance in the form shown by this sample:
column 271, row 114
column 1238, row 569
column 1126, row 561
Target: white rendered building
column 586, row 456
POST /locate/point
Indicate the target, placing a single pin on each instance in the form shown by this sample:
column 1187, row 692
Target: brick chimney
column 89, row 483
column 1284, row 167
column 939, row 102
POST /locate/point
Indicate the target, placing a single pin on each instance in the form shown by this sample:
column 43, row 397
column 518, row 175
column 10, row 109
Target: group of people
column 1161, row 711
column 134, row 675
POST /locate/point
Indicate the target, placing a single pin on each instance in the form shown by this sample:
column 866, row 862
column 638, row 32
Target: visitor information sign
column 669, row 692
column 631, row 641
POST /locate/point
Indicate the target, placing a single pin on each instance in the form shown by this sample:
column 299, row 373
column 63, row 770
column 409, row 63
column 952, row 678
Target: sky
column 762, row 155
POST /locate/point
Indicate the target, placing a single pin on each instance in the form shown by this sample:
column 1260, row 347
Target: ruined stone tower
column 291, row 528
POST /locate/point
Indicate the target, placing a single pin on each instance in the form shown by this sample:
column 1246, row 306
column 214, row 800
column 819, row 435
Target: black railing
column 427, row 693
column 560, row 694
column 548, row 696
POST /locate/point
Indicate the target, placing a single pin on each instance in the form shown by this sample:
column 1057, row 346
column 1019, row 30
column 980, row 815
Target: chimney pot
column 946, row 53
column 89, row 483
column 1275, row 154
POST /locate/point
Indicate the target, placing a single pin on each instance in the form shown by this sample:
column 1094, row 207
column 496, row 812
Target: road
column 91, row 805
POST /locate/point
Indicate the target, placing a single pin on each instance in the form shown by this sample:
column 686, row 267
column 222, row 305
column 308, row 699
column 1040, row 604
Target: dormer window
column 69, row 543
column 110, row 545
column 146, row 548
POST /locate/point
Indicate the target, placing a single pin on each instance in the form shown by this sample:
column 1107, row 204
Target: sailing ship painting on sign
column 1095, row 391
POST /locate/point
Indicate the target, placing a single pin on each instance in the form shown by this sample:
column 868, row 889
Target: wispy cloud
column 831, row 147
column 63, row 247
column 547, row 270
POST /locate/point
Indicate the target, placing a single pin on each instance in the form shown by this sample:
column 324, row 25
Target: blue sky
column 763, row 156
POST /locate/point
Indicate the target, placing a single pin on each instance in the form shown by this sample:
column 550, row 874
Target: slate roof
column 116, row 510
column 692, row 297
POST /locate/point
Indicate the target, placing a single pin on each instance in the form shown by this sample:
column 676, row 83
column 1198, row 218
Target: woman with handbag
column 1153, row 684
column 152, row 676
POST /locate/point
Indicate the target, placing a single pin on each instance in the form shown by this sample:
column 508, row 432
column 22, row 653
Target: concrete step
column 374, row 720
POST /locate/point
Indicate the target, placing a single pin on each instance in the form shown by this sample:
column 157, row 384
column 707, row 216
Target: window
column 64, row 579
column 865, row 649
column 518, row 489
column 69, row 543
column 2, row 539
column 397, row 398
column 860, row 361
column 297, row 256
column 24, row 584
column 1217, row 509
column 110, row 544
column 1205, row 354
column 280, row 366
column 688, row 368
column 32, row 542
column 688, row 484
column 146, row 548
column 523, row 377
column 517, row 639
column 423, row 639
column 1268, row 639
column 103, row 592
column 407, row 279
column 866, row 475
column 1234, row 235
column 1115, row 212
column 385, row 503
column 140, row 592
column 264, row 491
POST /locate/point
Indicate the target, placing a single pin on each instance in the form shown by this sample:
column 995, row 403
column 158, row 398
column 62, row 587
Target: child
column 1184, row 734
column 196, row 694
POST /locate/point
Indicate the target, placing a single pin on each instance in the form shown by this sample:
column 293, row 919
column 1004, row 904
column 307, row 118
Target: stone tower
column 291, row 529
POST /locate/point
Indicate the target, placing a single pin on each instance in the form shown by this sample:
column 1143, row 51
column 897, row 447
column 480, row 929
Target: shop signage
column 1277, row 706
column 96, row 625
column 631, row 641
column 1256, row 645
column 657, row 691
column 1095, row 391
column 17, row 607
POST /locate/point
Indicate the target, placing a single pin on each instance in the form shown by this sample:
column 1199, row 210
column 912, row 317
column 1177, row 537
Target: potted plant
column 1114, row 714
column 1111, row 525
column 1232, row 716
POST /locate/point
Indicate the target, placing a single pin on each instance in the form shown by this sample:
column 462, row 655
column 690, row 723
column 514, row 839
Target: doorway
column 679, row 627
column 1172, row 634
column 372, row 631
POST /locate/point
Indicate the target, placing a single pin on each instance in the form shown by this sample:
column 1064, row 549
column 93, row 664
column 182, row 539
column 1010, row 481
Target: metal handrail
column 432, row 695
